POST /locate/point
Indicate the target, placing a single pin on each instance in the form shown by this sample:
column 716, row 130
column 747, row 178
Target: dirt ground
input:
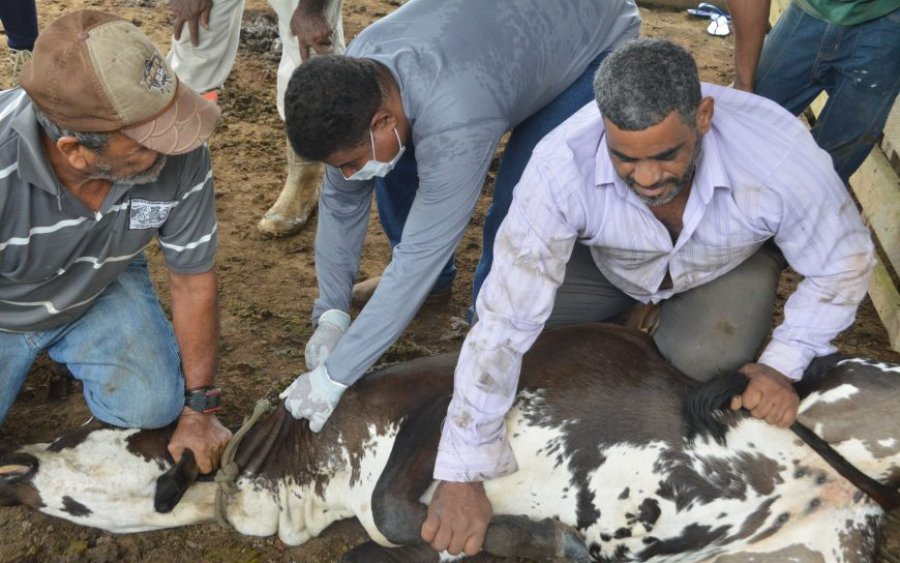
column 267, row 289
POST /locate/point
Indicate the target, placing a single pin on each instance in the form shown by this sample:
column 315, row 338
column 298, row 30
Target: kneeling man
column 101, row 151
column 664, row 191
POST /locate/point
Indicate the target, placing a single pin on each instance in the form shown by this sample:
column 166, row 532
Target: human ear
column 705, row 114
column 75, row 154
column 383, row 118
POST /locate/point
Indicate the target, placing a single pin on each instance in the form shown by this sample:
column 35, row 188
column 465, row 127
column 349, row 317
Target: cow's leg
column 517, row 536
column 507, row 536
column 408, row 473
column 298, row 197
column 371, row 552
column 396, row 507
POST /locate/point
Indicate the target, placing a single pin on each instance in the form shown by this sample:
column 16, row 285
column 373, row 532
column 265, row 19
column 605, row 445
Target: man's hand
column 332, row 325
column 313, row 395
column 458, row 517
column 204, row 435
column 312, row 31
column 194, row 13
column 770, row 395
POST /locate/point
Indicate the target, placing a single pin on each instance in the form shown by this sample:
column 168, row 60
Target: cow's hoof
column 274, row 224
column 371, row 552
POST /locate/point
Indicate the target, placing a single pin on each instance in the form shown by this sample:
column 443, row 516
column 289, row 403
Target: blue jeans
column 858, row 66
column 395, row 192
column 122, row 349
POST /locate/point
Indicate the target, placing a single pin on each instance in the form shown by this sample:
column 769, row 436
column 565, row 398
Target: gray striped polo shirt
column 57, row 256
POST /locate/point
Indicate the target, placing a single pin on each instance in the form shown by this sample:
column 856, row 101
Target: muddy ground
column 267, row 289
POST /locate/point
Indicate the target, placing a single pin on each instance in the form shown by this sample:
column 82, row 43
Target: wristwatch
column 203, row 399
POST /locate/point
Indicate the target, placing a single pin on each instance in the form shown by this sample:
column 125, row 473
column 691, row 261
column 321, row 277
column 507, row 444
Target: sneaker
column 19, row 57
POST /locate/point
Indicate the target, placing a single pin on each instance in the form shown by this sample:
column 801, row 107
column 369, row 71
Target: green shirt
column 848, row 12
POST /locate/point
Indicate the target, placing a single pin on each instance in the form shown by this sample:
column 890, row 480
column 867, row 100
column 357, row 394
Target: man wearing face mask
column 414, row 112
column 663, row 191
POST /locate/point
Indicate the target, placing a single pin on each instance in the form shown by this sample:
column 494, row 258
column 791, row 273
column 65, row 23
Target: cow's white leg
column 298, row 197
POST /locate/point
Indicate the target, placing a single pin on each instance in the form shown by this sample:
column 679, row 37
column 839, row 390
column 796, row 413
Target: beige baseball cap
column 95, row 72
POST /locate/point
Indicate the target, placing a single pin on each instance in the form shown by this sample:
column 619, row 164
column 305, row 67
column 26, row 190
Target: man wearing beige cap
column 101, row 150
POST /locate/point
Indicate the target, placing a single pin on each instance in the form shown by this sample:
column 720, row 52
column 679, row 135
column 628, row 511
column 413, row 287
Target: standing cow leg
column 298, row 197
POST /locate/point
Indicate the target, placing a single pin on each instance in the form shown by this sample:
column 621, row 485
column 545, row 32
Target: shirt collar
column 34, row 166
column 710, row 173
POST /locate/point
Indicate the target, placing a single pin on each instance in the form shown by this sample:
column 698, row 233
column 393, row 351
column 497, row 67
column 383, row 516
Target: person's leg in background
column 784, row 73
column 518, row 151
column 19, row 18
column 856, row 65
column 206, row 66
column 863, row 78
column 719, row 326
column 300, row 194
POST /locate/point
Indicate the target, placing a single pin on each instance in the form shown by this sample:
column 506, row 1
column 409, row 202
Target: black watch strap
column 203, row 399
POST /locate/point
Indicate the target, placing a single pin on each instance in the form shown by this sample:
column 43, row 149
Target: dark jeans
column 858, row 66
column 19, row 19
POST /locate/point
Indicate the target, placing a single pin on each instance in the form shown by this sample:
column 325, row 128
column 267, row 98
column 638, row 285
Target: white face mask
column 375, row 167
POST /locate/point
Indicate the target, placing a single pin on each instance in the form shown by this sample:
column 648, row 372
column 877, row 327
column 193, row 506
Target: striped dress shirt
column 760, row 176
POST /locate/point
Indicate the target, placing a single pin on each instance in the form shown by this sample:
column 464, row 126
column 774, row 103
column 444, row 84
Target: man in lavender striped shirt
column 668, row 192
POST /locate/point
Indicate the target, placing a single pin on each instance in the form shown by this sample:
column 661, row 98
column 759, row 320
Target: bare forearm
column 195, row 317
column 751, row 22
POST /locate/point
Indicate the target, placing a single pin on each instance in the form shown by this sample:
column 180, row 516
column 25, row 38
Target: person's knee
column 134, row 394
column 702, row 362
column 709, row 346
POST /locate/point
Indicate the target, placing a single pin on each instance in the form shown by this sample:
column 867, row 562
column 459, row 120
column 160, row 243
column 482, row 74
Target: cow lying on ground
column 603, row 448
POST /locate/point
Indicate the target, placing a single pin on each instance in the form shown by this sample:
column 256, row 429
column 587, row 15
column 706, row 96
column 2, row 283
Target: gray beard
column 148, row 176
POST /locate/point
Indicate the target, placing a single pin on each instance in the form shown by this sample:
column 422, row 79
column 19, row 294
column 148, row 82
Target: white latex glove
column 313, row 395
column 332, row 325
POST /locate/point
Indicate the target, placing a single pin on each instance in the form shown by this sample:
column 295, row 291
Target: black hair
column 329, row 104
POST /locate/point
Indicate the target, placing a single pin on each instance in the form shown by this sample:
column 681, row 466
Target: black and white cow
column 603, row 447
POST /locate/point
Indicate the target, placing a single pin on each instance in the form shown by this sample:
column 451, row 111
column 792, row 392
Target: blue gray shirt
column 468, row 71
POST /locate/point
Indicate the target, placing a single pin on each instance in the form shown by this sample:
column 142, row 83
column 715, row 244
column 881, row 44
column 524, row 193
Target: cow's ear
column 13, row 470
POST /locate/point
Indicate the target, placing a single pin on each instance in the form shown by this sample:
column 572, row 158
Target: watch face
column 204, row 400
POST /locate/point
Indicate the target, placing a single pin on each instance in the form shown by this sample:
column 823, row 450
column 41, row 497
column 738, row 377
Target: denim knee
column 136, row 397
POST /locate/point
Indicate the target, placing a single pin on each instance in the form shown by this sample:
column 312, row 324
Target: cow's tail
column 707, row 407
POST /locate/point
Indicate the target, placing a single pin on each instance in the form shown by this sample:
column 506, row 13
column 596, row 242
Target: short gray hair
column 95, row 142
column 642, row 82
